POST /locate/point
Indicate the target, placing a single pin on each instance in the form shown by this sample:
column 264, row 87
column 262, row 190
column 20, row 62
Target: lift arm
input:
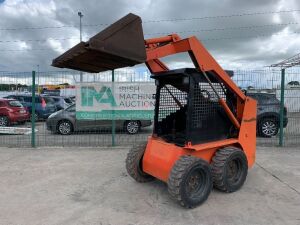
column 173, row 44
column 201, row 58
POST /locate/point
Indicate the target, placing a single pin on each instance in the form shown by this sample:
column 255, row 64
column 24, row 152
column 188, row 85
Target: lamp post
column 80, row 36
column 80, row 25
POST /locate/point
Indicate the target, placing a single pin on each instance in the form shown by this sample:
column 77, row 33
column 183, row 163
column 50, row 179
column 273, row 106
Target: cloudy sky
column 238, row 33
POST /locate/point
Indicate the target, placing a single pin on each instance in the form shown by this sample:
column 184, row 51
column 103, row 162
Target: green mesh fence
column 264, row 85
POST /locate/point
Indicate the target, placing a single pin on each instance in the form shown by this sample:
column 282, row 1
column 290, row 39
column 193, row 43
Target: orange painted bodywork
column 160, row 156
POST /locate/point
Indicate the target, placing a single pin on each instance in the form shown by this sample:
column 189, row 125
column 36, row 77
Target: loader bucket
column 119, row 45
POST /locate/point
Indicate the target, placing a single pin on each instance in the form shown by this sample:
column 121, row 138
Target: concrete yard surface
column 90, row 186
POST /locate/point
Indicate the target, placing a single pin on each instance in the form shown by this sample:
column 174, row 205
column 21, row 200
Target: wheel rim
column 64, row 128
column 234, row 170
column 195, row 183
column 3, row 121
column 132, row 127
column 269, row 128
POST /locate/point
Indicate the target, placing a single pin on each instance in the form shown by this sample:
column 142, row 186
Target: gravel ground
column 91, row 186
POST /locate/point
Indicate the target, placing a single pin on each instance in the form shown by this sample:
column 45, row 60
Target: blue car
column 44, row 106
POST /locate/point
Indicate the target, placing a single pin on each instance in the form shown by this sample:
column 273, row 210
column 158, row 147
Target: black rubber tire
column 132, row 126
column 234, row 158
column 263, row 122
column 134, row 164
column 4, row 121
column 62, row 122
column 181, row 173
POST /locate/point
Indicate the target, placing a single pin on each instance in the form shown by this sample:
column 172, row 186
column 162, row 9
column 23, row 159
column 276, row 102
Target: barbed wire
column 224, row 16
column 228, row 28
column 38, row 40
column 157, row 21
column 202, row 40
column 166, row 33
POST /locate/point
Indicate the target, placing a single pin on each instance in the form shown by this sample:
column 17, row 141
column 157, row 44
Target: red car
column 12, row 111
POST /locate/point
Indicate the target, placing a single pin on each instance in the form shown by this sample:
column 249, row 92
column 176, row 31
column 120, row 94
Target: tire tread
column 177, row 173
column 218, row 164
column 134, row 156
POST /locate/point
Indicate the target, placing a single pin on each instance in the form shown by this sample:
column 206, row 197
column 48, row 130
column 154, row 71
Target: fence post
column 113, row 124
column 33, row 144
column 281, row 107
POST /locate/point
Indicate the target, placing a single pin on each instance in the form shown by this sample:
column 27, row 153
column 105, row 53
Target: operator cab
column 187, row 110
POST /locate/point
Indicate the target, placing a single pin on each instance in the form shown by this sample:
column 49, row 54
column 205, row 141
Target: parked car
column 12, row 111
column 268, row 114
column 73, row 98
column 65, row 122
column 61, row 102
column 44, row 106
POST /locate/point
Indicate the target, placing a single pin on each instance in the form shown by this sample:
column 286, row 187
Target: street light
column 80, row 35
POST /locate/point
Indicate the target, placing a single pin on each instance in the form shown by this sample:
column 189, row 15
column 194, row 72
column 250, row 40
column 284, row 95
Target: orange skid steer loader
column 204, row 131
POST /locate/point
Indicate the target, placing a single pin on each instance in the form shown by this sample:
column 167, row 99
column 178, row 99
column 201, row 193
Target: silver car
column 65, row 122
column 60, row 101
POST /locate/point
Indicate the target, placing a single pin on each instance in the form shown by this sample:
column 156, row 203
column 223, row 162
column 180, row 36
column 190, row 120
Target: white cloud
column 23, row 45
column 56, row 45
column 272, row 44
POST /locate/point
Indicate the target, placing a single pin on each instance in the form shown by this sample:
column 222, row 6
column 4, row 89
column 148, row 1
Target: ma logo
column 88, row 94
